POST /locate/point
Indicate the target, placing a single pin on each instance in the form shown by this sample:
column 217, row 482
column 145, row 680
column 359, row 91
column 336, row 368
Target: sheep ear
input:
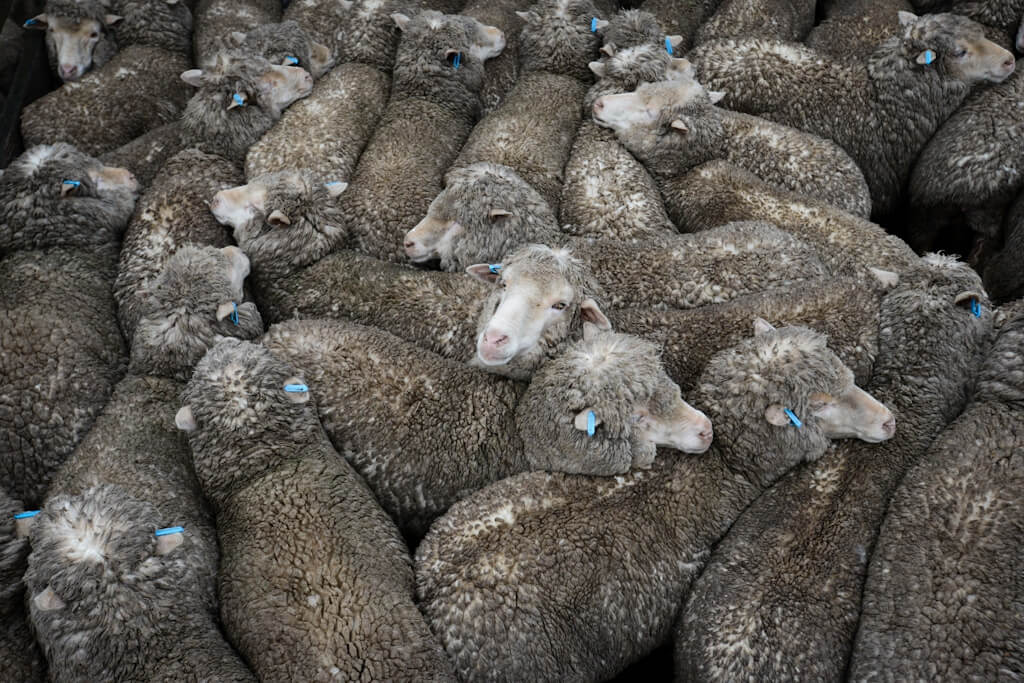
column 193, row 77
column 680, row 126
column 590, row 331
column 22, row 525
column 676, row 40
column 715, row 96
column 528, row 17
column 238, row 99
column 598, row 68
column 336, row 187
column 48, row 601
column 776, row 415
column 907, row 18
column 580, row 421
column 225, row 309
column 591, row 313
column 185, row 420
column 608, row 49
column 401, row 20
column 38, row 23
column 278, row 218
column 68, row 187
column 888, row 278
column 683, row 68
column 296, row 390
column 762, row 326
column 495, row 214
column 925, row 57
column 236, row 38
column 484, row 272
column 320, row 55
column 601, row 23
column 168, row 542
column 111, row 19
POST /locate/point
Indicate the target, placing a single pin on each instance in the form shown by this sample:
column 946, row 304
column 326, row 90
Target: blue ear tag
column 30, row 22
column 591, row 422
column 333, row 182
column 74, row 183
column 238, row 100
column 793, row 418
column 26, row 514
column 593, row 25
column 457, row 62
column 294, row 61
column 976, row 308
column 929, row 56
column 296, row 388
column 234, row 313
column 167, row 531
column 494, row 268
column 668, row 44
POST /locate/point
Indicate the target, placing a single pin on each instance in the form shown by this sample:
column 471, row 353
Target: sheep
column 853, row 29
column 427, row 461
column 61, row 212
column 285, row 43
column 608, row 193
column 315, row 580
column 789, row 20
column 109, row 599
column 502, row 71
column 216, row 20
column 681, row 17
column 717, row 192
column 79, row 36
column 794, row 561
column 1002, row 272
column 881, row 112
column 433, row 106
column 174, row 210
column 977, row 173
column 532, row 131
column 20, row 659
column 134, row 91
column 944, row 585
column 673, row 127
column 597, row 567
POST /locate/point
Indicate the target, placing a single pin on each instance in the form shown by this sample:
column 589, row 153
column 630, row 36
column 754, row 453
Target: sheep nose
column 1008, row 64
column 889, row 426
column 495, row 341
column 67, row 70
column 598, row 104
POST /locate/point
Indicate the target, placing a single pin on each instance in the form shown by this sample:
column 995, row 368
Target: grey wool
column 165, row 24
column 691, row 132
column 789, row 20
column 558, row 39
column 59, row 254
column 851, row 30
column 681, row 17
column 216, row 20
column 98, row 573
column 501, row 72
column 795, row 561
column 607, row 192
column 881, row 111
column 1003, row 276
column 432, row 108
column 945, row 570
column 20, row 659
column 600, row 565
column 315, row 580
column 285, row 43
column 717, row 192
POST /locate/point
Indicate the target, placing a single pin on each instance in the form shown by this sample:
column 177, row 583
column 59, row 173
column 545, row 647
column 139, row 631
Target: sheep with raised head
column 853, row 29
column 945, row 571
column 434, row 102
column 771, row 19
column 109, row 598
column 881, row 111
column 674, row 127
column 136, row 89
column 532, row 131
column 61, row 213
column 315, row 581
column 20, row 659
column 794, row 562
column 601, row 565
column 607, row 192
column 232, row 108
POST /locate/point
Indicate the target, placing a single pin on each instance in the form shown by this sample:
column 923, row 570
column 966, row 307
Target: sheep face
column 72, row 39
column 557, row 37
column 541, row 298
column 634, row 27
column 282, row 216
column 196, row 300
column 286, row 44
column 955, row 45
column 448, row 47
column 644, row 106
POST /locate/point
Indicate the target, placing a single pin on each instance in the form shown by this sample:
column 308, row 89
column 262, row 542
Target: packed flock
column 384, row 340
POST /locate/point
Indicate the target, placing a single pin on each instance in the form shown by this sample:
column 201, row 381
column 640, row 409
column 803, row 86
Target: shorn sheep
column 597, row 567
column 944, row 586
column 315, row 581
column 881, row 111
column 794, row 562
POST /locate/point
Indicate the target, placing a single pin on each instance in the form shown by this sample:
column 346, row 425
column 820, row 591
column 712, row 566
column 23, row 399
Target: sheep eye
column 94, row 35
column 560, row 306
column 501, row 283
column 960, row 53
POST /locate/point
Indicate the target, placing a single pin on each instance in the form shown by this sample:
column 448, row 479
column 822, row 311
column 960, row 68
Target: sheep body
column 852, row 30
column 315, row 581
column 501, row 72
column 215, row 20
column 777, row 567
column 950, row 537
column 20, row 659
column 774, row 19
column 681, row 18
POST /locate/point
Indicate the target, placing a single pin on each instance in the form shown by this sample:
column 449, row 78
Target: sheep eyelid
column 560, row 306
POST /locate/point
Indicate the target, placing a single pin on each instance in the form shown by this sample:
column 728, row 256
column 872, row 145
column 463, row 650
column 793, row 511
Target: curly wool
column 771, row 19
column 854, row 28
column 557, row 38
column 275, row 42
column 154, row 23
column 20, row 659
column 632, row 27
column 216, row 20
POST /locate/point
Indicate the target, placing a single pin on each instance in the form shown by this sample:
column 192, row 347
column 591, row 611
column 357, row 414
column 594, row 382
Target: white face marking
column 239, row 206
column 524, row 313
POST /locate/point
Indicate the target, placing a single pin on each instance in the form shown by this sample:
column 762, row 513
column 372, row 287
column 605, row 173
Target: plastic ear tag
column 30, row 22
column 234, row 312
column 593, row 25
column 494, row 268
column 457, row 62
column 293, row 61
column 26, row 514
column 668, row 44
column 976, row 308
column 74, row 183
column 591, row 422
column 793, row 418
column 167, row 531
column 296, row 388
column 239, row 100
column 929, row 56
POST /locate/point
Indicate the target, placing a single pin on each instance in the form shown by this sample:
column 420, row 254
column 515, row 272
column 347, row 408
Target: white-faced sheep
column 457, row 430
column 673, row 127
column 434, row 103
column 79, row 35
column 771, row 19
column 944, row 587
column 882, row 111
column 60, row 350
column 20, row 659
column 553, row 577
column 217, row 20
column 853, row 29
column 794, row 562
column 315, row 580
column 109, row 594
column 606, row 192
column 532, row 131
column 174, row 211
